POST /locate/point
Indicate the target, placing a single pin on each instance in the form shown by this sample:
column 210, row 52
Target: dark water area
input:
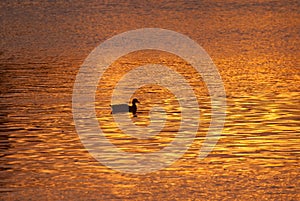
column 255, row 46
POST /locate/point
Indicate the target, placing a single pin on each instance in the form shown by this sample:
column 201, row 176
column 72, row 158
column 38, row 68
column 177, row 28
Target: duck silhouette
column 122, row 108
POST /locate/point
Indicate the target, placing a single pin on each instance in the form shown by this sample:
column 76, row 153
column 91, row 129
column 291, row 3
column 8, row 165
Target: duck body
column 122, row 108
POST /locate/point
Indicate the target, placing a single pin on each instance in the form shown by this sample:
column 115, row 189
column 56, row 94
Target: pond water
column 255, row 46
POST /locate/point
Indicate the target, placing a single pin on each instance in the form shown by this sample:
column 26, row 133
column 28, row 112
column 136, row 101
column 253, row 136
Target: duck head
column 134, row 101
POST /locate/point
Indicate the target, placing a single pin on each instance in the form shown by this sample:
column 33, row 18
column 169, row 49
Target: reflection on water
column 254, row 45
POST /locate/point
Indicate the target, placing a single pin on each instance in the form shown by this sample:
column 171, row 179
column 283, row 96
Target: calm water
column 254, row 44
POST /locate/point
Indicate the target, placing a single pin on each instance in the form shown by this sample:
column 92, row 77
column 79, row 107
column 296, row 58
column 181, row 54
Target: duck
column 122, row 108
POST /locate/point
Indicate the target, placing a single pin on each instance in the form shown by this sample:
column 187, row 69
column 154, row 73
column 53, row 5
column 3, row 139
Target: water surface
column 254, row 44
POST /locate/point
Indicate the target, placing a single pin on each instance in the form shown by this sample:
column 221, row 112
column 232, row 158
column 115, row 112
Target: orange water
column 254, row 44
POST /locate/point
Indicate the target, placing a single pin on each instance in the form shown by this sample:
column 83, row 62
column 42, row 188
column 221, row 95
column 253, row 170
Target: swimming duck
column 125, row 108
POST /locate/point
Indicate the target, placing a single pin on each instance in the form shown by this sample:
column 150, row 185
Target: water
column 253, row 44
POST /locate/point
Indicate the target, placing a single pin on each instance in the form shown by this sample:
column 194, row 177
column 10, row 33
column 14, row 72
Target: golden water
column 253, row 44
